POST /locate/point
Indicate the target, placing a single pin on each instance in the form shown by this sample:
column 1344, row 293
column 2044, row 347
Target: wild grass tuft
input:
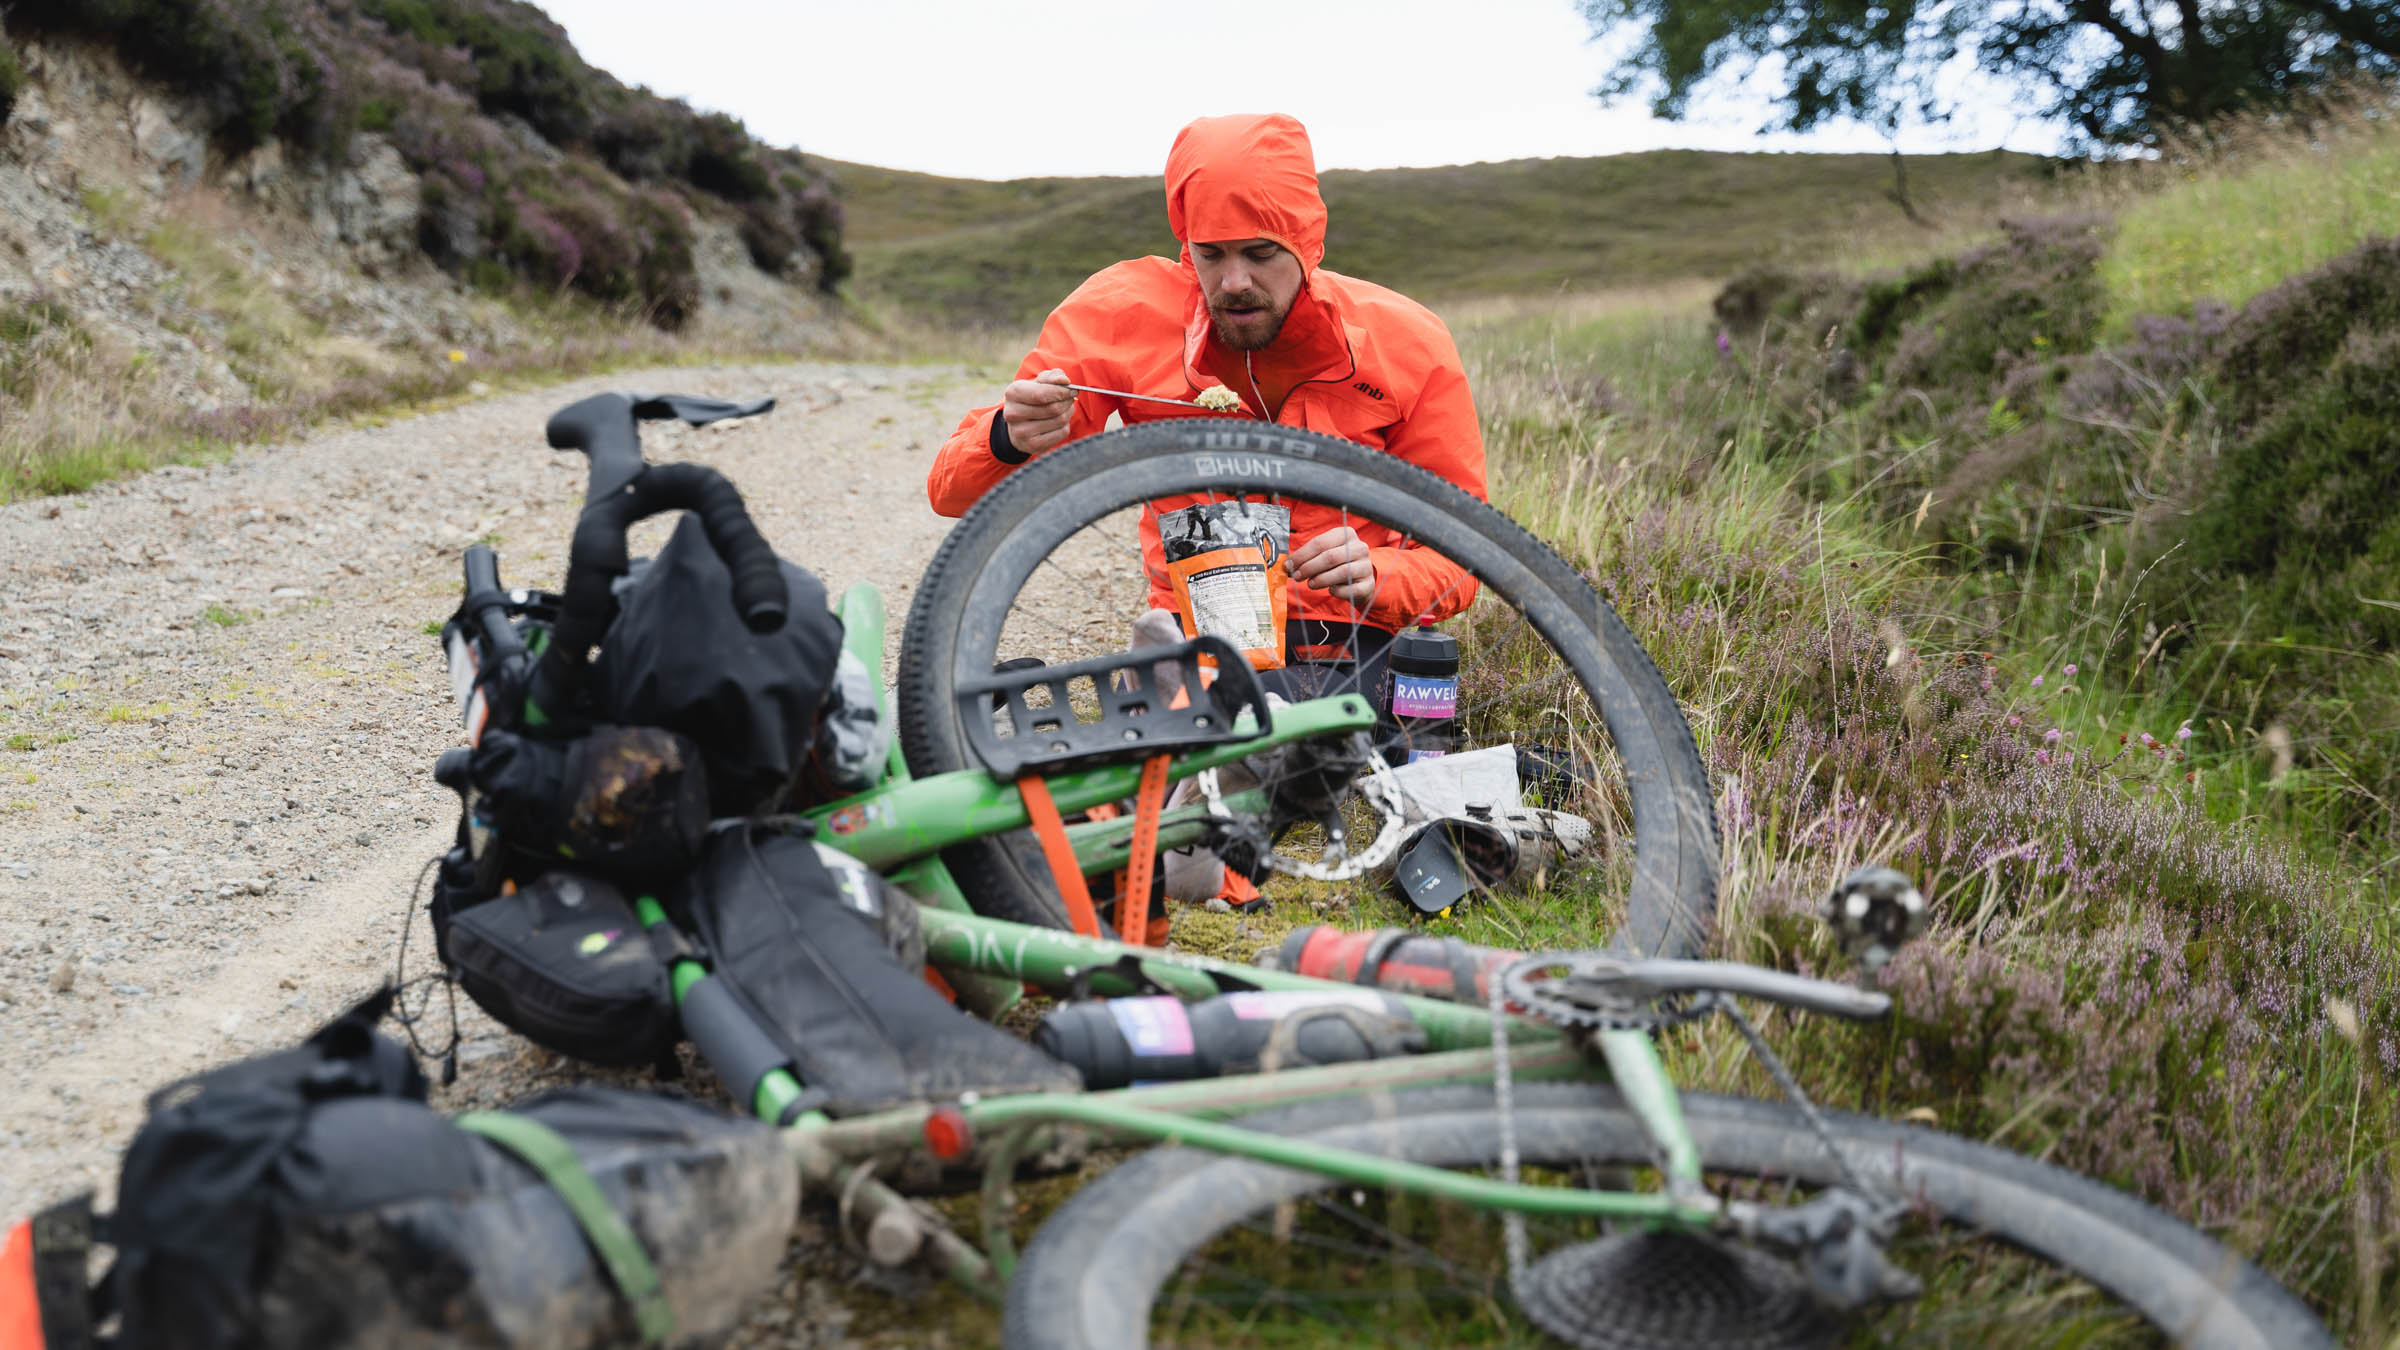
column 2256, row 200
column 2149, row 964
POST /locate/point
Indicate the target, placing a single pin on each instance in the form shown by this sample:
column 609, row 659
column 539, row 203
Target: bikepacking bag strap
column 542, row 1149
column 1133, row 915
column 1048, row 827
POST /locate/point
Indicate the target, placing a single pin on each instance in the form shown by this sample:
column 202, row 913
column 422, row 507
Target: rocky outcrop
column 116, row 210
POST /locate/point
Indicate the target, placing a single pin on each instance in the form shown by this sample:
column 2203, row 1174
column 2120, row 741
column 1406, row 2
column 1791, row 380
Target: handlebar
column 621, row 490
column 602, row 427
column 486, row 605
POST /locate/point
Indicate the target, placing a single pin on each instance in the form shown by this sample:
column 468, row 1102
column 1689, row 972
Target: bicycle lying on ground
column 1535, row 1154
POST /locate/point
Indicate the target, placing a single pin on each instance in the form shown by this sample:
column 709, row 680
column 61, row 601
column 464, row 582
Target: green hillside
column 966, row 249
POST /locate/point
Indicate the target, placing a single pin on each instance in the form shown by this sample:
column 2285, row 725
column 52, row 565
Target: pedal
column 1110, row 709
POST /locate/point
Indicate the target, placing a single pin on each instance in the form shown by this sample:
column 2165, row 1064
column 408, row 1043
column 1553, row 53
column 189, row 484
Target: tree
column 2116, row 71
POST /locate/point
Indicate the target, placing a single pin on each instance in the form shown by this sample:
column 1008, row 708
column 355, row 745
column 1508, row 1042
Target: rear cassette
column 1672, row 1291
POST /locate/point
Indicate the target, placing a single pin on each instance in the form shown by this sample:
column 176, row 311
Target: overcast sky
column 972, row 88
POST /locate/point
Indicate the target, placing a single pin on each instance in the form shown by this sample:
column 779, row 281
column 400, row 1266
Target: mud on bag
column 804, row 939
column 311, row 1198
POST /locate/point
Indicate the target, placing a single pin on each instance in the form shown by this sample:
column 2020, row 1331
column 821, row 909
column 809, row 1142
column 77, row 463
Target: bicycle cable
column 401, row 985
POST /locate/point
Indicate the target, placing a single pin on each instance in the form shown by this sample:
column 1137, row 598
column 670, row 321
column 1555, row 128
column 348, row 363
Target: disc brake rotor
column 1380, row 790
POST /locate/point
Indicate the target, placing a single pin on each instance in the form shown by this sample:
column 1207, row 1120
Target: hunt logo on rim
column 1237, row 466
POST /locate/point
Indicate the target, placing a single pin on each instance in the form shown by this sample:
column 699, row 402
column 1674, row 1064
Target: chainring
column 1596, row 993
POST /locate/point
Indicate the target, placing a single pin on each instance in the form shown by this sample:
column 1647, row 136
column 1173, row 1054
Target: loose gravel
column 220, row 701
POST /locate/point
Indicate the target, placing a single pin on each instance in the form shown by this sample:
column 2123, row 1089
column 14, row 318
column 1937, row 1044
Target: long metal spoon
column 1149, row 398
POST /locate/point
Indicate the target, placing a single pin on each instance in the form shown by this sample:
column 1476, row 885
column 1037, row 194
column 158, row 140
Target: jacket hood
column 1252, row 176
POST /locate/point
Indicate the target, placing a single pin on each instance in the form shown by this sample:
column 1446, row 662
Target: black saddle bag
column 564, row 961
column 310, row 1198
column 816, row 971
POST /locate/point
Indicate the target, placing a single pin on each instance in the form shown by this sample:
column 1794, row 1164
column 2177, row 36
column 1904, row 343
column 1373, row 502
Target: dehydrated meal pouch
column 1229, row 562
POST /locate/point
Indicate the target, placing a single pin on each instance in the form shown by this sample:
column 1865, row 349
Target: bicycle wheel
column 1184, row 1247
column 1049, row 565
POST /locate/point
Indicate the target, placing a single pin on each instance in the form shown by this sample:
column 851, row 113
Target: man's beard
column 1239, row 342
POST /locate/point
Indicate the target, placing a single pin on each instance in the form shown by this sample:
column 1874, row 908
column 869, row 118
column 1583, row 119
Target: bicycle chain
column 1512, row 1223
column 1515, row 985
column 1790, row 1087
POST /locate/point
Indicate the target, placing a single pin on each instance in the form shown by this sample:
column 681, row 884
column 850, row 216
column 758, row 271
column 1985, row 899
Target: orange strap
column 1133, row 898
column 1237, row 890
column 940, row 985
column 20, row 1310
column 1042, row 814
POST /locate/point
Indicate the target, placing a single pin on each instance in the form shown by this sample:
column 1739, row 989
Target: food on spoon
column 1218, row 398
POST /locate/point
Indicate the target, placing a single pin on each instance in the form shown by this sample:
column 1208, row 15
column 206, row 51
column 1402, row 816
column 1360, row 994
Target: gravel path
column 220, row 707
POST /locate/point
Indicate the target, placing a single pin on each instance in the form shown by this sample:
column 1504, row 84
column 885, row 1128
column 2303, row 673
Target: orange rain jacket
column 1353, row 360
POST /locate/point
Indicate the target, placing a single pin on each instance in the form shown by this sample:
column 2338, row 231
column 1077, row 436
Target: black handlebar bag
column 679, row 656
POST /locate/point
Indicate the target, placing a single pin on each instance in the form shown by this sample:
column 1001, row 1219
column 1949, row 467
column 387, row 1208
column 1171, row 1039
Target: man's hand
column 1336, row 561
column 1037, row 411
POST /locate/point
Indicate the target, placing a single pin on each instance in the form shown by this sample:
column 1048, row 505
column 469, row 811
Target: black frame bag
column 814, row 969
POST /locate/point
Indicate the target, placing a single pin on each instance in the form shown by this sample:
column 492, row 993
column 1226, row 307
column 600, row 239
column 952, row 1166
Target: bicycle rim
column 1050, row 566
column 1182, row 1248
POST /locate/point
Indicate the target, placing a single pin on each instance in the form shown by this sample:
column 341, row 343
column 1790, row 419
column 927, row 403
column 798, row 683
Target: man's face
column 1249, row 285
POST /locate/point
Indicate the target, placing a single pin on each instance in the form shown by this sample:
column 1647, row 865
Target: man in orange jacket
column 1247, row 306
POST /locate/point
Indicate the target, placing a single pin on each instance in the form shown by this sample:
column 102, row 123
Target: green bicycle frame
column 900, row 828
column 901, row 821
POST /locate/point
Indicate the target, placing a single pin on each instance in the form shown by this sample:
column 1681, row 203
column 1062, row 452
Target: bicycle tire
column 1089, row 1279
column 1005, row 536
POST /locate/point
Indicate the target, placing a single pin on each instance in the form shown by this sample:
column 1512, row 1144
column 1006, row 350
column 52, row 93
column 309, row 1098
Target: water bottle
column 1147, row 1040
column 1398, row 960
column 1423, row 694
